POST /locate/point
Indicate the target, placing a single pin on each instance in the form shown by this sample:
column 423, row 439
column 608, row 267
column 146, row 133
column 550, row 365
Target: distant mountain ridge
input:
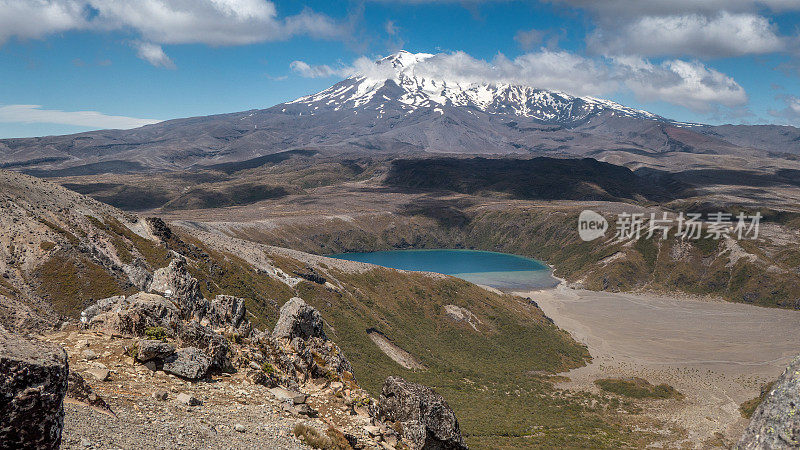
column 400, row 110
column 402, row 85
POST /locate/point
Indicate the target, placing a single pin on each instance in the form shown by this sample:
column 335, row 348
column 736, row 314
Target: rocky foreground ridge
column 776, row 421
column 174, row 347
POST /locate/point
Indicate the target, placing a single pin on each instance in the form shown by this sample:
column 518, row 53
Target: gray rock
column 776, row 422
column 192, row 334
column 101, row 306
column 81, row 391
column 189, row 363
column 188, row 400
column 301, row 409
column 175, row 282
column 239, row 428
column 137, row 274
column 285, row 395
column 99, row 373
column 33, row 382
column 227, row 311
column 149, row 349
column 297, row 319
column 89, row 354
column 160, row 395
column 133, row 315
column 426, row 418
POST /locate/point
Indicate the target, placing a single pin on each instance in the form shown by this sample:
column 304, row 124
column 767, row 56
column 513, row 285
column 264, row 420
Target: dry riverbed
column 718, row 354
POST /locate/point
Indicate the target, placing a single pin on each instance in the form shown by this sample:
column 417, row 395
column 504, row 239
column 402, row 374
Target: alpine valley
column 182, row 265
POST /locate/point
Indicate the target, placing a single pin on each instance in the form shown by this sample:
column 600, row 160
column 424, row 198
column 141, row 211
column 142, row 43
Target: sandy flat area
column 718, row 354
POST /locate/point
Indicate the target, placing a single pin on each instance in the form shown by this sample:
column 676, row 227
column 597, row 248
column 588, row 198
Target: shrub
column 156, row 333
column 637, row 388
column 749, row 407
column 333, row 439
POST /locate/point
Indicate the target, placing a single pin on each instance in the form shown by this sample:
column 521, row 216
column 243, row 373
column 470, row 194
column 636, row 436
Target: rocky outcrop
column 776, row 421
column 137, row 274
column 227, row 311
column 297, row 319
column 175, row 282
column 133, row 315
column 150, row 349
column 192, row 334
column 189, row 363
column 102, row 306
column 424, row 416
column 223, row 312
column 33, row 382
column 462, row 315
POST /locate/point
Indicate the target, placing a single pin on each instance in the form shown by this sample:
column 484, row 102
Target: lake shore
column 718, row 354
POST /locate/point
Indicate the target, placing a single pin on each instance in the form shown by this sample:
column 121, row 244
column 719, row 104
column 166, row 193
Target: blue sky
column 75, row 65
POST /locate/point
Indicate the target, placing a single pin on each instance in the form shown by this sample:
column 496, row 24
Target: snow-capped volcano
column 402, row 104
column 407, row 82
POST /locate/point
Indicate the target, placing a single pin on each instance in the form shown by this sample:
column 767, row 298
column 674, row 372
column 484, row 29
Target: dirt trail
column 718, row 354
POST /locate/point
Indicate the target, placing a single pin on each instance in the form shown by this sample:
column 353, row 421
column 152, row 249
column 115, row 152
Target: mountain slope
column 397, row 109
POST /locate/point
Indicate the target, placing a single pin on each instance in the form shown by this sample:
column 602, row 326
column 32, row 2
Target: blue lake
column 498, row 270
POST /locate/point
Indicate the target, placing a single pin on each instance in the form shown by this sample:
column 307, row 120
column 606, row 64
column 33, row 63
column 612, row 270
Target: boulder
column 135, row 314
column 33, row 382
column 188, row 399
column 776, row 421
column 297, row 319
column 102, row 306
column 175, row 282
column 286, row 395
column 426, row 418
column 79, row 390
column 137, row 274
column 189, row 363
column 149, row 349
column 192, row 334
column 229, row 312
column 99, row 373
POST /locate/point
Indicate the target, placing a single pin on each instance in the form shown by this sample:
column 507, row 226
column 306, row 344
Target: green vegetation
column 749, row 407
column 229, row 195
column 333, row 439
column 156, row 333
column 637, row 388
column 69, row 236
column 699, row 267
column 122, row 247
column 486, row 376
column 71, row 283
column 224, row 273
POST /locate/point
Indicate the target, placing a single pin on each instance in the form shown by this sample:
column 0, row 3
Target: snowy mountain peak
column 408, row 83
column 404, row 59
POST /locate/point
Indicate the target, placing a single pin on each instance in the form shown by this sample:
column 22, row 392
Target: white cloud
column 306, row 70
column 791, row 111
column 689, row 84
column 528, row 39
column 90, row 119
column 636, row 8
column 37, row 18
column 154, row 54
column 708, row 28
column 721, row 35
column 684, row 83
column 391, row 28
column 213, row 22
